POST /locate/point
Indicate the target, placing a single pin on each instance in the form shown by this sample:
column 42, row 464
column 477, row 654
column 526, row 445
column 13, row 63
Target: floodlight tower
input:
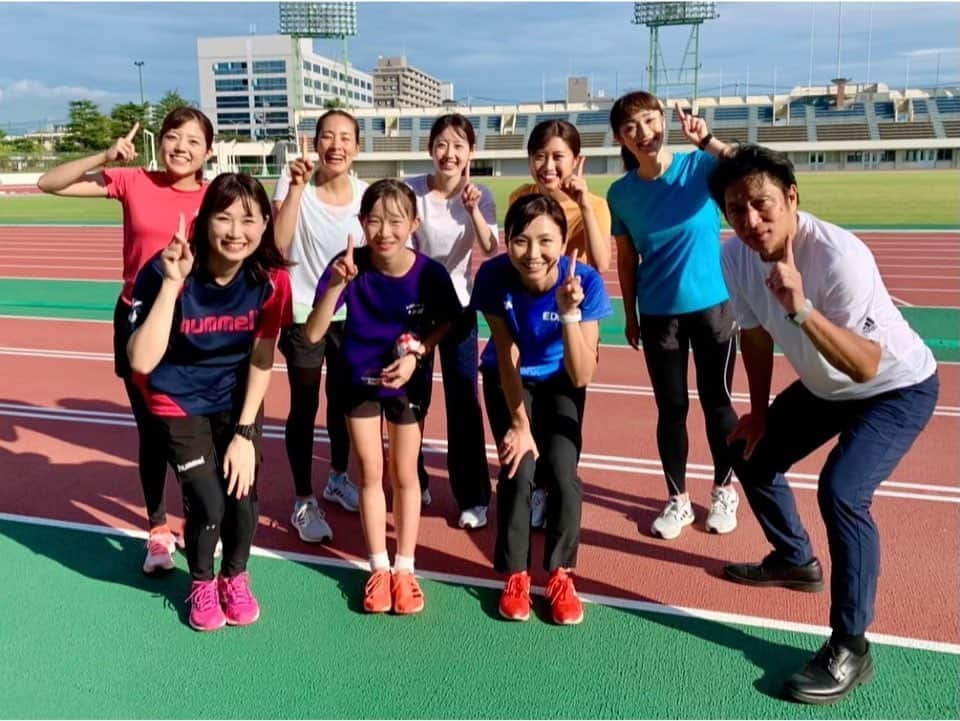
column 656, row 15
column 318, row 20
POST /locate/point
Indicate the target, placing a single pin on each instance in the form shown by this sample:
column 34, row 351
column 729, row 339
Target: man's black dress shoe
column 774, row 572
column 830, row 676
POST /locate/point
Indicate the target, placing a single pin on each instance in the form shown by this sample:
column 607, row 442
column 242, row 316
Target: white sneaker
column 160, row 549
column 425, row 498
column 310, row 522
column 538, row 508
column 675, row 517
column 723, row 510
column 341, row 489
column 475, row 517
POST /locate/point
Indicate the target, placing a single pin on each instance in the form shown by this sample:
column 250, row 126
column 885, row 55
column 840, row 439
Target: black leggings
column 151, row 455
column 666, row 343
column 196, row 446
column 304, row 374
column 555, row 408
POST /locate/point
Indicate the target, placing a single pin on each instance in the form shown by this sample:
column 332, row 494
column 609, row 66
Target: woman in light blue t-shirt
column 676, row 298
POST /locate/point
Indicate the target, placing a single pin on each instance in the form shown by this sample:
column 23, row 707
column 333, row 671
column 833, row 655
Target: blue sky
column 493, row 52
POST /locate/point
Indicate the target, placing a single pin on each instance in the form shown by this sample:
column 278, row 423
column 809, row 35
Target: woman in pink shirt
column 152, row 202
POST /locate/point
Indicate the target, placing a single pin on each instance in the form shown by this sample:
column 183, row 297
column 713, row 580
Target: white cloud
column 931, row 51
column 35, row 89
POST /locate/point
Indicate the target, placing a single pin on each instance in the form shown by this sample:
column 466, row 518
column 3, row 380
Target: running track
column 66, row 441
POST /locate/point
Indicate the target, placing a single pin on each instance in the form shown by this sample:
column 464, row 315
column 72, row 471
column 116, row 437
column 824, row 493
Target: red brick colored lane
column 84, row 473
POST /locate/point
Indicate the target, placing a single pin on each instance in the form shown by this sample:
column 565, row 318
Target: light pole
column 139, row 64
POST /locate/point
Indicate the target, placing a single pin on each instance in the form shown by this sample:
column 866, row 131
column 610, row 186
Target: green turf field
column 94, row 300
column 915, row 199
column 76, row 644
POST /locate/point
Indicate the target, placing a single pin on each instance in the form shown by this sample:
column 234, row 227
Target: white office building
column 250, row 85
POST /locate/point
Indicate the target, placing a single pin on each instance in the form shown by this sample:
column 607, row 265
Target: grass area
column 916, row 199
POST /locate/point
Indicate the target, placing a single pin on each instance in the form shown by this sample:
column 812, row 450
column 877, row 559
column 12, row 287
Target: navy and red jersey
column 204, row 369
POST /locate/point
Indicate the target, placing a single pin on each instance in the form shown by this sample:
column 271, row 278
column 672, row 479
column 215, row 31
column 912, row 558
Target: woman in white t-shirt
column 316, row 206
column 456, row 215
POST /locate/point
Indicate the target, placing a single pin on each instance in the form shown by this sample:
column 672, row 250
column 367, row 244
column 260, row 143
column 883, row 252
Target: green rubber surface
column 85, row 634
column 95, row 300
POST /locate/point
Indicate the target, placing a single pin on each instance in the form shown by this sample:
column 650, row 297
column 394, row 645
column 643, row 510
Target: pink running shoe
column 239, row 604
column 205, row 611
column 161, row 545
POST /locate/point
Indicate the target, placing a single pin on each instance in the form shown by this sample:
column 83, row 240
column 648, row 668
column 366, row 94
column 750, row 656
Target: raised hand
column 576, row 185
column 785, row 281
column 123, row 148
column 301, row 169
column 693, row 128
column 177, row 257
column 570, row 291
column 470, row 195
column 344, row 267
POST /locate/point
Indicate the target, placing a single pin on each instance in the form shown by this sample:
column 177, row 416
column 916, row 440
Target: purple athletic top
column 381, row 307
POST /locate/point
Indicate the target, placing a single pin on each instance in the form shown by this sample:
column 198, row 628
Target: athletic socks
column 403, row 563
column 379, row 561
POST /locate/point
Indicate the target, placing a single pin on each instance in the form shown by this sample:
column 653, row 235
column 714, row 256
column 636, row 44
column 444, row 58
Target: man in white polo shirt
column 814, row 290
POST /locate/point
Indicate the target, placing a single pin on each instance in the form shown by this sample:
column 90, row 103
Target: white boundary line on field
column 603, row 600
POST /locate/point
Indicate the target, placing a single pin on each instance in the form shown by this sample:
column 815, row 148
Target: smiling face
column 642, row 133
column 184, row 150
column 336, row 144
column 552, row 163
column 235, row 232
column 762, row 214
column 535, row 252
column 388, row 227
column 451, row 152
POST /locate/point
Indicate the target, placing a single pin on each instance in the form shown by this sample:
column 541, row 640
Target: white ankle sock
column 379, row 561
column 403, row 563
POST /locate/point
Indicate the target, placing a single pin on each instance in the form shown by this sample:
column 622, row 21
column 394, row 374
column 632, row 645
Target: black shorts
column 399, row 410
column 300, row 352
column 196, row 445
column 716, row 324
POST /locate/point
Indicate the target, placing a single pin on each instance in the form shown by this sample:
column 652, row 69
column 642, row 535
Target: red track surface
column 76, row 471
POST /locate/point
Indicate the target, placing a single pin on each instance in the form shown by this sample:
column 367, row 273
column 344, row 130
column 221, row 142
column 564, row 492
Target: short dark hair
column 223, row 192
column 746, row 161
column 342, row 114
column 396, row 190
column 527, row 208
column 456, row 121
column 545, row 131
column 623, row 108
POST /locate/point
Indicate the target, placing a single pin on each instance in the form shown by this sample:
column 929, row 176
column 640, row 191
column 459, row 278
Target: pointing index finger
column 182, row 227
column 572, row 266
column 580, row 162
column 788, row 252
column 133, row 131
column 349, row 254
column 304, row 146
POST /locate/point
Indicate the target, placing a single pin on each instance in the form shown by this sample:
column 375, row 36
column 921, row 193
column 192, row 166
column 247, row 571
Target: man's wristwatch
column 801, row 315
column 246, row 430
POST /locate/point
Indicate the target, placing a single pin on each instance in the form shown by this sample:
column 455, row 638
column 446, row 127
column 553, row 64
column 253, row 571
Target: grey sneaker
column 425, row 498
column 310, row 522
column 723, row 510
column 675, row 517
column 341, row 489
column 472, row 518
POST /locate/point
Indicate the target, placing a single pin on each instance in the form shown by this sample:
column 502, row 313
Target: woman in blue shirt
column 662, row 212
column 543, row 309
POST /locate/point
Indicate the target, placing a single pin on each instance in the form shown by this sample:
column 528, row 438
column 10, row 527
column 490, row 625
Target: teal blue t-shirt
column 675, row 227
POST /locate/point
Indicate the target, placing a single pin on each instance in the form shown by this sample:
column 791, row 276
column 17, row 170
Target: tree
column 333, row 103
column 124, row 116
column 88, row 130
column 171, row 100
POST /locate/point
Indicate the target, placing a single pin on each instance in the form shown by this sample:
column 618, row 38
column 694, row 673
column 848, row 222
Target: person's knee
column 203, row 499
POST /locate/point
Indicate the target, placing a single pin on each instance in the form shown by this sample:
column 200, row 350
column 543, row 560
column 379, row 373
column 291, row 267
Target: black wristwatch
column 705, row 142
column 246, row 430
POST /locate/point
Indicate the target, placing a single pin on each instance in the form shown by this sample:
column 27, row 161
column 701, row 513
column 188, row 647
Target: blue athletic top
column 675, row 227
column 380, row 308
column 204, row 369
column 533, row 320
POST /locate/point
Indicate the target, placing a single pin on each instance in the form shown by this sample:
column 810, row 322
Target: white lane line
column 438, row 446
column 919, row 644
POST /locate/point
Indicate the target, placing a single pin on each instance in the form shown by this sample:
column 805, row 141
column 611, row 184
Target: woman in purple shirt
column 399, row 305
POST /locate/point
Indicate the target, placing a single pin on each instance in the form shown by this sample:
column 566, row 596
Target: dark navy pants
column 874, row 434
